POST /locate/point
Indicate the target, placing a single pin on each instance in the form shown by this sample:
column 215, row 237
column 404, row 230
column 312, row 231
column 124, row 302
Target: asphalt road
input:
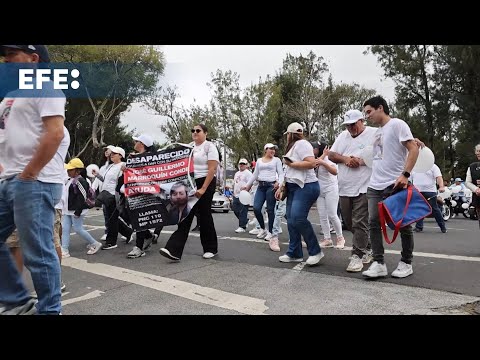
column 247, row 278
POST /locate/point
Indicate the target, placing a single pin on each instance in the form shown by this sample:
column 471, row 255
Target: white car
column 220, row 203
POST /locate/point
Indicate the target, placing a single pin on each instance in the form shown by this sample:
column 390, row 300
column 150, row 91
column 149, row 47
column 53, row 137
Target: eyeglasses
column 196, row 131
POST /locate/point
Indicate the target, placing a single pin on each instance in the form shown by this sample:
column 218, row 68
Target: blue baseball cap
column 40, row 50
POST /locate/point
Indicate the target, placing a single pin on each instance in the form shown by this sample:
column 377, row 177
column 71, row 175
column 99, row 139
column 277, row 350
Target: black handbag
column 105, row 198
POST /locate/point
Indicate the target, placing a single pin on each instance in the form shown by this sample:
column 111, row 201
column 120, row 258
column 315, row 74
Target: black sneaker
column 196, row 228
column 109, row 246
column 444, row 230
column 166, row 253
column 417, row 230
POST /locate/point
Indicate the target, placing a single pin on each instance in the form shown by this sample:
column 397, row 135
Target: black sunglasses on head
column 196, row 130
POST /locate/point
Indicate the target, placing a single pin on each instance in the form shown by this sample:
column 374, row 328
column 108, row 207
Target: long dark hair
column 293, row 139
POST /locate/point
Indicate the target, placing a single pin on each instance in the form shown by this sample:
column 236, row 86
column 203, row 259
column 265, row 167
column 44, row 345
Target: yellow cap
column 75, row 163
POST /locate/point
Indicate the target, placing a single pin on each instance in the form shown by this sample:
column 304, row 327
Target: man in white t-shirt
column 426, row 184
column 241, row 178
column 31, row 130
column 353, row 178
column 395, row 152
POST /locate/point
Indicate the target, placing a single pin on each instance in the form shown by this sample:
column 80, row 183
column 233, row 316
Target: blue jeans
column 67, row 222
column 299, row 202
column 280, row 209
column 437, row 213
column 31, row 203
column 241, row 212
column 265, row 192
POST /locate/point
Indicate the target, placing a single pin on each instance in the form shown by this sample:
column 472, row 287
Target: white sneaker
column 240, row 230
column 65, row 253
column 304, row 244
column 355, row 265
column 288, row 259
column 315, row 259
column 255, row 231
column 147, row 243
column 262, row 234
column 274, row 244
column 367, row 257
column 269, row 236
column 104, row 237
column 135, row 253
column 252, row 222
column 209, row 255
column 376, row 270
column 93, row 249
column 403, row 270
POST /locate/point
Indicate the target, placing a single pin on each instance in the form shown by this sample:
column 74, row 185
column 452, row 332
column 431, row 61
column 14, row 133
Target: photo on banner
column 160, row 187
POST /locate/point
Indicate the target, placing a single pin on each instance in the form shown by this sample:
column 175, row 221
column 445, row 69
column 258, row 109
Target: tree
column 127, row 73
column 411, row 68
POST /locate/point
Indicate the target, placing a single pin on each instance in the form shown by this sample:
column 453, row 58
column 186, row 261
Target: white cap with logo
column 294, row 128
column 145, row 139
column 118, row 150
column 352, row 116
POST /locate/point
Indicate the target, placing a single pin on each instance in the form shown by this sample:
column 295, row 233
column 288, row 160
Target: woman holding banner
column 205, row 155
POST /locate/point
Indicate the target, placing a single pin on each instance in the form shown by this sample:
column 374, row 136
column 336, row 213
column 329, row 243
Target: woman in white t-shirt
column 205, row 162
column 327, row 202
column 302, row 192
column 269, row 173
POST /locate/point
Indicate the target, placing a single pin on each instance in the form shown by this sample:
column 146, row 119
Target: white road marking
column 242, row 304
column 90, row 295
column 346, row 248
column 299, row 267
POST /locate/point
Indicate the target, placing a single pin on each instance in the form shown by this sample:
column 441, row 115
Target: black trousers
column 208, row 235
column 114, row 225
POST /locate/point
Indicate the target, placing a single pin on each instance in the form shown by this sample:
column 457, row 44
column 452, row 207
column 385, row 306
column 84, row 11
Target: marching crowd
column 39, row 192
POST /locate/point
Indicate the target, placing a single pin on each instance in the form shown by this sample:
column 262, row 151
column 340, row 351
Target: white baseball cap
column 109, row 147
column 270, row 145
column 145, row 139
column 352, row 116
column 294, row 128
column 118, row 150
column 243, row 161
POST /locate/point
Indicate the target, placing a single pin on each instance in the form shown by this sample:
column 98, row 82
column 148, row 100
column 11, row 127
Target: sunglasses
column 242, row 164
column 196, row 131
column 272, row 148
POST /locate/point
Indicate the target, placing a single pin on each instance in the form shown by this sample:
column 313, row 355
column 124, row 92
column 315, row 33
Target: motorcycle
column 444, row 202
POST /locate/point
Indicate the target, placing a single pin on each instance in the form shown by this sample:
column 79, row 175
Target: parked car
column 220, row 203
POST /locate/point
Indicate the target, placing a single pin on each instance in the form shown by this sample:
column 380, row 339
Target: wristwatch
column 406, row 174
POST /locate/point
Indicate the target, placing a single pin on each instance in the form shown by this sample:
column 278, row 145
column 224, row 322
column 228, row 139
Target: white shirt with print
column 240, row 180
column 389, row 154
column 353, row 181
column 21, row 127
column 426, row 182
column 201, row 155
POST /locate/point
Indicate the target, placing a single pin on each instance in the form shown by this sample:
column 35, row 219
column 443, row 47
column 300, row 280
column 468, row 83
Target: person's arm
column 280, row 172
column 412, row 147
column 469, row 182
column 349, row 161
column 212, row 170
column 305, row 164
column 441, row 186
column 332, row 169
column 252, row 179
column 47, row 147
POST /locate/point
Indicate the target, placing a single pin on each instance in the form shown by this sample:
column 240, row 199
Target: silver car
column 220, row 203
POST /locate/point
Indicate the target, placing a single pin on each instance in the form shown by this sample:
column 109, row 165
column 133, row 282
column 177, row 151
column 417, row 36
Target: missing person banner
column 160, row 187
